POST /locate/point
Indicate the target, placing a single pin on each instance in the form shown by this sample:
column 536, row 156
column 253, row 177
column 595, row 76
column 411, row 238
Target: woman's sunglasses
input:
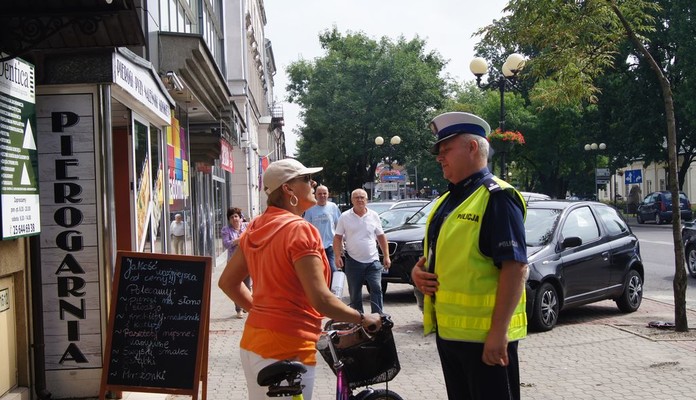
column 304, row 178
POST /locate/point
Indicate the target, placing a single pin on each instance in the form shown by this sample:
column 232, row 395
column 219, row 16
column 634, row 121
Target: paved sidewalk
column 594, row 353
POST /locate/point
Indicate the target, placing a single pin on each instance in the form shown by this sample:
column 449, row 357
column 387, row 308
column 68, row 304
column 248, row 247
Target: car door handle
column 605, row 255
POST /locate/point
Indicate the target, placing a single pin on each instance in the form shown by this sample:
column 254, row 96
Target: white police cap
column 450, row 124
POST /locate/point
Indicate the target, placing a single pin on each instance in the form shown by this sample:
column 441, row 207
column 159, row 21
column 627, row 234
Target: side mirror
column 572, row 241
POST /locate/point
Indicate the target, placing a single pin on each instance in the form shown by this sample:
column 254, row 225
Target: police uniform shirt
column 502, row 225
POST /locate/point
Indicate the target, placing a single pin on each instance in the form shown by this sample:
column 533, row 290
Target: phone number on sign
column 23, row 228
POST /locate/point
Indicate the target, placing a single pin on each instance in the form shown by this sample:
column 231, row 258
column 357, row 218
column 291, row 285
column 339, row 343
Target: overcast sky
column 293, row 26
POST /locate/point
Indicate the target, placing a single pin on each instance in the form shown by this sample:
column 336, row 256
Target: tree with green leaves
column 574, row 43
column 360, row 89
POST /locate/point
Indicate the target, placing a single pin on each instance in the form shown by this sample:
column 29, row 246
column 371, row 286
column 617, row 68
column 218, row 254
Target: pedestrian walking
column 474, row 268
column 361, row 229
column 177, row 230
column 324, row 216
column 230, row 240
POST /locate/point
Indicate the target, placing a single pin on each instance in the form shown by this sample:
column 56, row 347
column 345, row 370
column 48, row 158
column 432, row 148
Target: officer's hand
column 424, row 281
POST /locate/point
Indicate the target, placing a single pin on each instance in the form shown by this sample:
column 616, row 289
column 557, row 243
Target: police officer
column 475, row 265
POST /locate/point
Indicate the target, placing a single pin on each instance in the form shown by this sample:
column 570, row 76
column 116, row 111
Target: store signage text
column 67, row 190
column 13, row 72
column 70, row 254
column 139, row 83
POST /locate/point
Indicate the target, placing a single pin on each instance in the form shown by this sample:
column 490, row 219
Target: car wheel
column 658, row 221
column 632, row 295
column 640, row 219
column 546, row 306
column 691, row 260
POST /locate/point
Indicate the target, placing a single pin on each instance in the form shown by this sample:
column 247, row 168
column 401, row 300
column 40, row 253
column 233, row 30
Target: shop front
column 105, row 185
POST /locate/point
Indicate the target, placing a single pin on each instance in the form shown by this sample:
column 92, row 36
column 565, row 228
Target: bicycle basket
column 365, row 361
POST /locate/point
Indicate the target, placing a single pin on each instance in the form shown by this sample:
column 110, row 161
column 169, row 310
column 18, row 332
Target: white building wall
column 654, row 178
column 249, row 81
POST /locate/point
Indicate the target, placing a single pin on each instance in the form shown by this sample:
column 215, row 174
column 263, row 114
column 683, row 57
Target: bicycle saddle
column 279, row 371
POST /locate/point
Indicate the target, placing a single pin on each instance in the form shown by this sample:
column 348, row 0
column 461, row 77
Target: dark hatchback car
column 689, row 239
column 657, row 207
column 579, row 252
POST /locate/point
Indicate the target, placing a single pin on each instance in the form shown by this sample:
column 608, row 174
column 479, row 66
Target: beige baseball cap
column 281, row 171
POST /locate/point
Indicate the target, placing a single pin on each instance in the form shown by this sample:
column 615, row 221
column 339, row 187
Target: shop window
column 220, row 211
column 143, row 188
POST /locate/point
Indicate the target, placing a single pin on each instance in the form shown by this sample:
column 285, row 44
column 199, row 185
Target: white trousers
column 252, row 363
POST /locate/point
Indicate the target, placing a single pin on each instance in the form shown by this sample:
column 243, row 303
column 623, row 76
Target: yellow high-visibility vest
column 463, row 305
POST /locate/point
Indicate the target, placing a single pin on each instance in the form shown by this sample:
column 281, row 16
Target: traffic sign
column 387, row 187
column 633, row 176
column 392, row 178
column 602, row 173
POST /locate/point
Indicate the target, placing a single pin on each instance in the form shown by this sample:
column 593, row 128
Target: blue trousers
column 371, row 273
column 330, row 255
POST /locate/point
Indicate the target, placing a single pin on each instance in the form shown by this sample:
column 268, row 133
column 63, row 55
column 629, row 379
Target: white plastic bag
column 337, row 282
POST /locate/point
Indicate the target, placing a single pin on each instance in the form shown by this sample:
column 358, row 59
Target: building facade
column 143, row 109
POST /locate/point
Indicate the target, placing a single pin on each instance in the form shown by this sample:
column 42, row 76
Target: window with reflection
column 220, row 211
column 612, row 220
column 581, row 223
column 540, row 224
column 184, row 15
column 158, row 182
column 143, row 191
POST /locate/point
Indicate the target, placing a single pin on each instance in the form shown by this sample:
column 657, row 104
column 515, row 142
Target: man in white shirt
column 362, row 230
column 177, row 230
column 324, row 216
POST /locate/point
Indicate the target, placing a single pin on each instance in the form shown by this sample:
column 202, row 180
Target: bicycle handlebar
column 351, row 329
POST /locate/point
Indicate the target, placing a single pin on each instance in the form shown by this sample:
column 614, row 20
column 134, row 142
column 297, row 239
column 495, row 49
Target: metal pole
column 501, row 86
column 595, row 179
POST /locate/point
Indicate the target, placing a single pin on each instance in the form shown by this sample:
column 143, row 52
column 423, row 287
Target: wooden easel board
column 157, row 339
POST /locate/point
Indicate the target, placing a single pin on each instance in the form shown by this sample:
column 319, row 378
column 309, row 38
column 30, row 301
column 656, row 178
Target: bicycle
column 358, row 358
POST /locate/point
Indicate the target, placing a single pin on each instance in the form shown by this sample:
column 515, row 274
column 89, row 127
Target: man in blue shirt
column 324, row 217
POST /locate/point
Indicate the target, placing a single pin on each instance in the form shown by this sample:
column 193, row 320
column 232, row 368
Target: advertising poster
column 19, row 189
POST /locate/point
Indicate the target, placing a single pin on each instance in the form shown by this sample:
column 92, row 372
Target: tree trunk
column 679, row 282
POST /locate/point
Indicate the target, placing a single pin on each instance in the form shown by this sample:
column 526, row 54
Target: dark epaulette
column 491, row 185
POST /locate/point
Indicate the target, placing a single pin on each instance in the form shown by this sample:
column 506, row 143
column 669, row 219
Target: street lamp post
column 506, row 81
column 394, row 141
column 595, row 147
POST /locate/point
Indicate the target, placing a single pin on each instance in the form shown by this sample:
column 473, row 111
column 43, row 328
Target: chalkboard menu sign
column 158, row 334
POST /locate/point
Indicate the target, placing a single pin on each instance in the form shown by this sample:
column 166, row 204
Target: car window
column 421, row 217
column 581, row 223
column 612, row 220
column 379, row 207
column 408, row 204
column 395, row 217
column 540, row 225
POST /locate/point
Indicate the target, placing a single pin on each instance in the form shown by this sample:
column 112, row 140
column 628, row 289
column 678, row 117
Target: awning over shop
column 27, row 25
